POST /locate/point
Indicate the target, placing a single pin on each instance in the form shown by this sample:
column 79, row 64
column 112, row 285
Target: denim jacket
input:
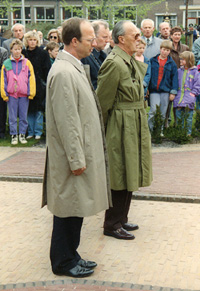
column 169, row 82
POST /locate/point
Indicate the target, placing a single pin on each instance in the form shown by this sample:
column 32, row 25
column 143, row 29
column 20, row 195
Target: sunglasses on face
column 54, row 37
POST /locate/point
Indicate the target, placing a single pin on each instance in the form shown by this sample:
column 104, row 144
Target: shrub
column 179, row 132
column 157, row 126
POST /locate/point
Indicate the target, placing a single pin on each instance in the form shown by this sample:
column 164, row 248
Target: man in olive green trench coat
column 75, row 181
column 121, row 95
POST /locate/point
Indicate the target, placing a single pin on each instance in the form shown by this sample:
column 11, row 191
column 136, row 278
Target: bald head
column 165, row 29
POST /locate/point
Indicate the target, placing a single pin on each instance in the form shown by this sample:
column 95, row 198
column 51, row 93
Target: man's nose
column 94, row 43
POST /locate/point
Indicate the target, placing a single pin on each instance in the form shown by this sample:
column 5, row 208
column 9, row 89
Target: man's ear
column 74, row 41
column 121, row 39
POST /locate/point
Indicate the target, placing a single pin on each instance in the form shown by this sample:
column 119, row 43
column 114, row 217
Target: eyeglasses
column 54, row 37
column 91, row 40
column 135, row 34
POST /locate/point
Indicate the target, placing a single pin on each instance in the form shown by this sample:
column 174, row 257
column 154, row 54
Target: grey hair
column 119, row 30
column 12, row 28
column 147, row 19
column 97, row 23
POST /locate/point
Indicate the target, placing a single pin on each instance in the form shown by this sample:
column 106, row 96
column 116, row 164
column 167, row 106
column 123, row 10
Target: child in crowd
column 189, row 88
column 17, row 87
column 53, row 49
column 198, row 97
column 140, row 57
column 164, row 81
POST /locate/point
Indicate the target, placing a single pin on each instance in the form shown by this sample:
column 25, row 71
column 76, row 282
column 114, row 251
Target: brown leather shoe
column 130, row 226
column 120, row 233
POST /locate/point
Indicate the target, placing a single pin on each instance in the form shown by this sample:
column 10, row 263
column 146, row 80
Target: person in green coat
column 121, row 95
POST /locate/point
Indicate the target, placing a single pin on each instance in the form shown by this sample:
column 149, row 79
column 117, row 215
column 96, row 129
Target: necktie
column 148, row 41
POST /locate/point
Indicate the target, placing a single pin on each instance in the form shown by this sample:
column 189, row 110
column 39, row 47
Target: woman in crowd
column 177, row 46
column 41, row 65
column 54, row 35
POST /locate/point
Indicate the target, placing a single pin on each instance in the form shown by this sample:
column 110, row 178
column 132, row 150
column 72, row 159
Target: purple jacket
column 188, row 91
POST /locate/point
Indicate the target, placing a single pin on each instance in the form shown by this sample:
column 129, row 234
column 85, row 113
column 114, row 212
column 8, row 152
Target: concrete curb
column 21, row 179
column 136, row 196
column 166, row 198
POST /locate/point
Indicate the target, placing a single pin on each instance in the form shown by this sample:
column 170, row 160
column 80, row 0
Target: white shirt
column 73, row 57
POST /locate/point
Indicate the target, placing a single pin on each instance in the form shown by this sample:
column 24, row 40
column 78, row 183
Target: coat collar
column 66, row 57
column 117, row 50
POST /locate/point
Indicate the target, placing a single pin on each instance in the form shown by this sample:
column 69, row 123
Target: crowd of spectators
column 161, row 83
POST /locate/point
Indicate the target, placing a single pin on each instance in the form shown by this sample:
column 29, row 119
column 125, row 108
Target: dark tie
column 148, row 41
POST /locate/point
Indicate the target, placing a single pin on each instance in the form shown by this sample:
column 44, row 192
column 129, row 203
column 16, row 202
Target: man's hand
column 171, row 97
column 79, row 171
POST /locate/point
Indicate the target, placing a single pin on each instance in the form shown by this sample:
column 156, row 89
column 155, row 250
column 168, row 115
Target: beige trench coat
column 74, row 140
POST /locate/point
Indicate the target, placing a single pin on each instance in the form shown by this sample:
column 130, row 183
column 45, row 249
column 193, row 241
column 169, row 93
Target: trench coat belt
column 129, row 105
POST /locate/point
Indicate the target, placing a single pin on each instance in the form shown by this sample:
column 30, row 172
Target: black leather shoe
column 87, row 264
column 120, row 233
column 130, row 226
column 77, row 272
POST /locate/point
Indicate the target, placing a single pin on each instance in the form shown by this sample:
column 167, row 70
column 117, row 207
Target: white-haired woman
column 41, row 64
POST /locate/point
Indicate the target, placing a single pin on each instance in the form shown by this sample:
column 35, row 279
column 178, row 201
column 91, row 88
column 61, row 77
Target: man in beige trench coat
column 75, row 181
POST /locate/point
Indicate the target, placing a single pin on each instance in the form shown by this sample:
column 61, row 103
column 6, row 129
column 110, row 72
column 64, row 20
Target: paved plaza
column 164, row 256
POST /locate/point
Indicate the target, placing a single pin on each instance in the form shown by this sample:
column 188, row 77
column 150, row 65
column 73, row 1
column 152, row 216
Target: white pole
column 23, row 13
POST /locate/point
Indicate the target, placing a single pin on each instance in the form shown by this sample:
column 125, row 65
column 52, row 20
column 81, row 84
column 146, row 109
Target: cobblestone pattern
column 166, row 251
column 82, row 284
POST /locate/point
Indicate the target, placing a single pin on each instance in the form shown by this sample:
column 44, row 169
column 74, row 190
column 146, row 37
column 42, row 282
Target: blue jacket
column 147, row 77
column 94, row 60
column 169, row 82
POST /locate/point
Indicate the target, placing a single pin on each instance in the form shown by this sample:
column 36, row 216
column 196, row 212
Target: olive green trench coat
column 75, row 139
column 121, row 95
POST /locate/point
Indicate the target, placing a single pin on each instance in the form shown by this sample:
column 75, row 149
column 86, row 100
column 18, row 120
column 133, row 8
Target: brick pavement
column 175, row 170
column 164, row 255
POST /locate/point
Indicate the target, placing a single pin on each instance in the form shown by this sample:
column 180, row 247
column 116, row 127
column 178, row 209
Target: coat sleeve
column 108, row 81
column 196, row 50
column 31, row 80
column 63, row 94
column 196, row 85
column 4, row 93
column 46, row 65
column 147, row 76
column 174, row 77
column 4, row 56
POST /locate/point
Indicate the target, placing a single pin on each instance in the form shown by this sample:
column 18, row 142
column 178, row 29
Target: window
column 160, row 18
column 17, row 15
column 94, row 13
column 192, row 14
column 75, row 11
column 3, row 17
column 44, row 14
column 125, row 12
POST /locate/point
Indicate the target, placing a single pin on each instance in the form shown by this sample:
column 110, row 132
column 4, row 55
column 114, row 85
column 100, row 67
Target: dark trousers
column 64, row 243
column 3, row 116
column 116, row 216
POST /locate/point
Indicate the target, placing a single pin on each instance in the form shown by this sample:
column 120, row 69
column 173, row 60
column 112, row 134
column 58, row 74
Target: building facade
column 52, row 11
